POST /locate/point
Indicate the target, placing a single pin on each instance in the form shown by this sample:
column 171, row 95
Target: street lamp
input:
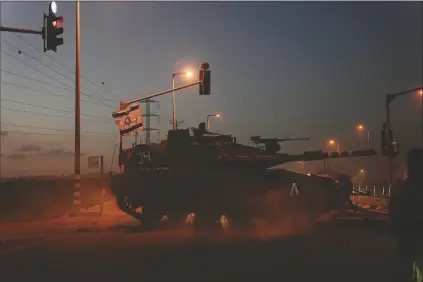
column 332, row 143
column 208, row 119
column 187, row 74
column 360, row 128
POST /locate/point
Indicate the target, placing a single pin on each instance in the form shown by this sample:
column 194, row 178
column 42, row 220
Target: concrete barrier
column 46, row 197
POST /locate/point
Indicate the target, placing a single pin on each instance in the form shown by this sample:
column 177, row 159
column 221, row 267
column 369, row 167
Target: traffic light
column 388, row 146
column 205, row 87
column 384, row 146
column 395, row 148
column 52, row 29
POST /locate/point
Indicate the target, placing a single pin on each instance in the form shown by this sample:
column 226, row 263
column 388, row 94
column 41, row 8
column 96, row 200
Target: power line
column 42, row 114
column 36, row 69
column 35, row 59
column 61, row 65
column 56, row 129
column 36, row 80
column 13, row 46
column 50, row 76
column 52, row 94
column 49, row 108
column 56, row 134
column 46, row 83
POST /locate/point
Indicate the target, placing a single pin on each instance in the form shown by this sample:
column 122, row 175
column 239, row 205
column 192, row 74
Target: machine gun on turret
column 271, row 145
column 203, row 136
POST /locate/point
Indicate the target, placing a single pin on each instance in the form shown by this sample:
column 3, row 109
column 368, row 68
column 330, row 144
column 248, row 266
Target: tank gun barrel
column 260, row 140
column 278, row 158
column 288, row 139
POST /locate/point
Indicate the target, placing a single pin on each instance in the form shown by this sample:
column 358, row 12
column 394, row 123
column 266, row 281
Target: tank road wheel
column 178, row 219
column 129, row 208
column 237, row 222
column 207, row 222
column 150, row 218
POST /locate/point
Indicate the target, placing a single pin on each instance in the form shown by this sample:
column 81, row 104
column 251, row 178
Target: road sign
column 94, row 162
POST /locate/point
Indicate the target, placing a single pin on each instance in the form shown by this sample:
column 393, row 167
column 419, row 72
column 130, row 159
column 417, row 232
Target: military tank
column 197, row 172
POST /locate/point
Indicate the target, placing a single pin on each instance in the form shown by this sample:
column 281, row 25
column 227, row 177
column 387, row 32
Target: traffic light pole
column 388, row 99
column 123, row 105
column 204, row 81
column 20, row 30
column 388, row 127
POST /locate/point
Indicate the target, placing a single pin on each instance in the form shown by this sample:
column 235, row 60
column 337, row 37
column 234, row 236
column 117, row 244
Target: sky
column 285, row 69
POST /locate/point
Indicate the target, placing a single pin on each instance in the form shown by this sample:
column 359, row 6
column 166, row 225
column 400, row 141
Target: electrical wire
column 56, row 129
column 53, row 77
column 62, row 75
column 52, row 94
column 58, row 134
column 43, row 114
column 53, row 109
column 61, row 65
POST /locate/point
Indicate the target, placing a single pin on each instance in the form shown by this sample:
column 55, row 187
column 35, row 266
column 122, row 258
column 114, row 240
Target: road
column 340, row 247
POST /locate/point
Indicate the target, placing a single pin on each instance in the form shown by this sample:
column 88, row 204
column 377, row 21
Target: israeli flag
column 129, row 120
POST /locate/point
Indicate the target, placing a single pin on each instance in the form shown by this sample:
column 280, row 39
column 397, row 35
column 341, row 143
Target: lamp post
column 421, row 95
column 174, row 122
column 361, row 127
column 208, row 119
column 333, row 142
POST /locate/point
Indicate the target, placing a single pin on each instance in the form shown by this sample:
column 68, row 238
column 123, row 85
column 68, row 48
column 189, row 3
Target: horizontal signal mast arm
column 123, row 105
column 20, row 30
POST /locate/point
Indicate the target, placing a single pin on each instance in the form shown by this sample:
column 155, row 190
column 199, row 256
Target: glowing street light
column 332, row 142
column 187, row 74
column 217, row 115
column 361, row 128
column 53, row 7
column 362, row 170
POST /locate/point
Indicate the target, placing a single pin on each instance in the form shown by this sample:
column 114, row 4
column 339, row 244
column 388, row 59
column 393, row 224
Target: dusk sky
column 286, row 69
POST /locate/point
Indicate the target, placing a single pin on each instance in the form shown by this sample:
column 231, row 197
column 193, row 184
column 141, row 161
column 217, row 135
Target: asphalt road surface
column 341, row 247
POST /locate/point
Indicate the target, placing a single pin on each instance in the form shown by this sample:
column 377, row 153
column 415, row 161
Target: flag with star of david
column 129, row 120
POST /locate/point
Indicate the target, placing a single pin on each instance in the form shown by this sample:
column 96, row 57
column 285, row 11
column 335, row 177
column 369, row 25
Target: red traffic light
column 58, row 21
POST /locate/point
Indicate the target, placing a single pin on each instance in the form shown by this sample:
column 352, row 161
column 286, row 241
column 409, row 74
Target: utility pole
column 77, row 173
column 148, row 115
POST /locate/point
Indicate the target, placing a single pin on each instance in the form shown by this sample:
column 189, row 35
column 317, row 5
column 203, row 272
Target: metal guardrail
column 374, row 190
